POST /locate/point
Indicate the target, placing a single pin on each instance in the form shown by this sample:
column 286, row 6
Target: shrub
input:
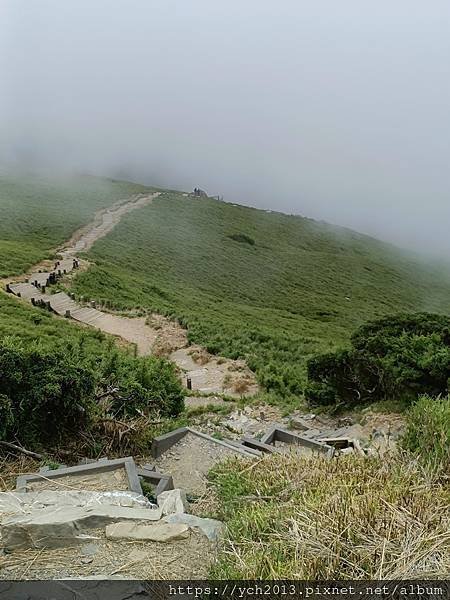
column 243, row 238
column 150, row 385
column 401, row 356
column 43, row 394
column 50, row 393
column 428, row 431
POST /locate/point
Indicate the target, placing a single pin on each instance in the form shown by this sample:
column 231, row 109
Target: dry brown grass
column 240, row 386
column 350, row 518
column 11, row 467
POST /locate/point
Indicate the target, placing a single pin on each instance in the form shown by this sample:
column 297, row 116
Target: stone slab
column 173, row 502
column 64, row 526
column 159, row 532
column 26, row 502
column 209, row 527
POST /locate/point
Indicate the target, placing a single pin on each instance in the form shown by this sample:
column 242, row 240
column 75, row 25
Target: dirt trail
column 104, row 221
column 156, row 334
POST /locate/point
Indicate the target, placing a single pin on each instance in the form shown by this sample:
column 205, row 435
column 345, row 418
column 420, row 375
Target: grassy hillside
column 268, row 286
column 37, row 214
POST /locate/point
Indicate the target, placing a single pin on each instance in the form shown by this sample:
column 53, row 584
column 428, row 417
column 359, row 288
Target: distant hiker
column 198, row 192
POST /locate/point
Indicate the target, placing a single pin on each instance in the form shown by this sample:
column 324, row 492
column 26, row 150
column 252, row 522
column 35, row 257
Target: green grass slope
column 271, row 287
column 38, row 214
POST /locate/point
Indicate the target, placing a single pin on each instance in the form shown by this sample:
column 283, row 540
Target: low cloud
column 337, row 111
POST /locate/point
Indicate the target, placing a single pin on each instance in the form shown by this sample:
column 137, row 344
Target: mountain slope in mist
column 38, row 213
column 271, row 287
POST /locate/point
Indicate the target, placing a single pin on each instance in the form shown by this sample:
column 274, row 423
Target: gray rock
column 86, row 560
column 298, row 423
column 173, row 502
column 57, row 527
column 159, row 532
column 89, row 549
column 309, row 417
column 209, row 527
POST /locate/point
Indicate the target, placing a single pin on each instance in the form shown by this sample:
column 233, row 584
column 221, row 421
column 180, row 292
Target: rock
column 173, row 502
column 9, row 503
column 159, row 532
column 89, row 549
column 298, row 423
column 86, row 560
column 309, row 417
column 209, row 527
column 238, row 422
column 57, row 527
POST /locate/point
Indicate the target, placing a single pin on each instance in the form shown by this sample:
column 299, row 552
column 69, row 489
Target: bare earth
column 182, row 559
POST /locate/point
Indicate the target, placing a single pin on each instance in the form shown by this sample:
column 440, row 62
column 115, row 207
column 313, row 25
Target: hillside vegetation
column 53, row 372
column 274, row 288
column 398, row 357
column 38, row 214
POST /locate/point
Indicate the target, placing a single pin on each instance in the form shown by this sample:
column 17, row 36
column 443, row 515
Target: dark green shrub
column 401, row 356
column 50, row 393
column 243, row 238
column 44, row 394
column 150, row 384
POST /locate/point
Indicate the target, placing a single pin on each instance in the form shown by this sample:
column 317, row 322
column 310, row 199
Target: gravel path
column 190, row 460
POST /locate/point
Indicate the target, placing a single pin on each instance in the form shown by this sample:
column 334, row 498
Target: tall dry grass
column 350, row 518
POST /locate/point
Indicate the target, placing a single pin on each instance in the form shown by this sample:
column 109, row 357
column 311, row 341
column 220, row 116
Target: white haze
column 334, row 110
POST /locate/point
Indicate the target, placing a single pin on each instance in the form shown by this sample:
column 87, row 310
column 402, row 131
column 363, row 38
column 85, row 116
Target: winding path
column 133, row 330
column 203, row 372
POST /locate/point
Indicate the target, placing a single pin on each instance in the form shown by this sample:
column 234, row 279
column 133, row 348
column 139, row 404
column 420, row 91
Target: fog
column 334, row 110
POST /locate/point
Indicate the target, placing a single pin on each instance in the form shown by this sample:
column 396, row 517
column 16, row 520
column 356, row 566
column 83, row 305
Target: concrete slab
column 127, row 464
column 162, row 443
column 278, row 434
column 161, row 483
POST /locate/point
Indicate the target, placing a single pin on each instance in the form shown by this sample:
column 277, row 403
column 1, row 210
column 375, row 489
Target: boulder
column 158, row 532
column 64, row 526
column 173, row 502
column 209, row 527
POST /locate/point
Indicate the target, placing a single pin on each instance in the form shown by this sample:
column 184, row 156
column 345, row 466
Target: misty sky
column 337, row 110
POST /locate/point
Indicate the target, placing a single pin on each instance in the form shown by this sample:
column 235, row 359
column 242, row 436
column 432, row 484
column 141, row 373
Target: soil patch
column 182, row 559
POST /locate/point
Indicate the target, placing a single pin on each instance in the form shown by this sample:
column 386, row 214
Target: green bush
column 147, row 384
column 47, row 393
column 428, row 431
column 243, row 238
column 401, row 356
column 43, row 394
